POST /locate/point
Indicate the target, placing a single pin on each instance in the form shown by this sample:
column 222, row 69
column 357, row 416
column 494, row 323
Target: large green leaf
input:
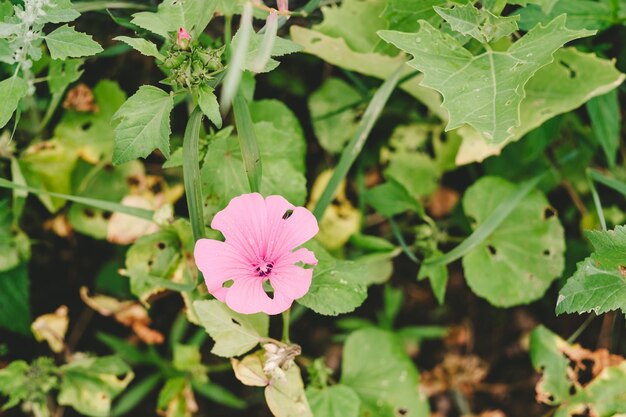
column 89, row 384
column 484, row 91
column 234, row 334
column 517, row 263
column 569, row 81
column 377, row 368
column 11, row 92
column 338, row 286
column 14, row 300
column 144, row 125
column 335, row 401
column 65, row 42
column 599, row 284
column 192, row 15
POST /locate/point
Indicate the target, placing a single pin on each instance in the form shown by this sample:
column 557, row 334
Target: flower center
column 264, row 268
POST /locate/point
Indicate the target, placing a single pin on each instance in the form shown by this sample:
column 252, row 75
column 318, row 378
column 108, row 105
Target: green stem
column 191, row 173
column 91, row 6
column 286, row 322
column 596, row 201
column 355, row 146
column 581, row 329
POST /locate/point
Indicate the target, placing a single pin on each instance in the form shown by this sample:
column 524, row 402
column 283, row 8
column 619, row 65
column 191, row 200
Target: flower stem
column 191, row 173
column 286, row 321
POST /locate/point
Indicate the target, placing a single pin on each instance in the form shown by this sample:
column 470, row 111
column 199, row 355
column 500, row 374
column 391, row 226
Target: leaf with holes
column 518, row 262
column 234, row 334
column 377, row 368
column 484, row 91
column 599, row 284
column 338, row 286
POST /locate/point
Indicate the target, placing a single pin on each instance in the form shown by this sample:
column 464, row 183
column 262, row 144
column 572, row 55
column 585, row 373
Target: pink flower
column 183, row 34
column 283, row 5
column 261, row 237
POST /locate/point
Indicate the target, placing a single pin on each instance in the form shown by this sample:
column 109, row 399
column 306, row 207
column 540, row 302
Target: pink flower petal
column 292, row 281
column 244, row 224
column 219, row 262
column 289, row 230
column 247, row 296
column 303, row 255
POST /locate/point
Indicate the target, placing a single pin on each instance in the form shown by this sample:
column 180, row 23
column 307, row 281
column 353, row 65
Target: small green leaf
column 14, row 300
column 377, row 368
column 209, row 105
column 438, row 276
column 518, row 261
column 234, row 334
column 493, row 79
column 480, row 24
column 144, row 125
column 547, row 358
column 12, row 90
column 193, row 15
column 89, row 384
column 338, row 286
column 14, row 244
column 334, row 401
column 187, row 358
column 391, row 198
column 599, row 284
column 334, row 114
column 606, row 122
column 143, row 46
column 62, row 73
column 415, row 171
column 65, row 42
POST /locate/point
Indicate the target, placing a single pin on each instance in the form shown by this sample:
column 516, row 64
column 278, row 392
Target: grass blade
column 596, row 201
column 354, row 147
column 247, row 142
column 135, row 395
column 483, row 231
column 92, row 202
column 191, row 173
column 612, row 183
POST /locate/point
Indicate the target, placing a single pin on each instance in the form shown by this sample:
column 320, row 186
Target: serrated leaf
column 334, row 113
column 484, row 91
column 12, row 90
column 65, row 42
column 192, row 15
column 209, row 105
column 234, row 334
column 571, row 79
column 141, row 45
column 338, row 286
column 480, row 24
column 144, row 125
column 334, row 401
column 599, row 284
column 517, row 263
column 90, row 384
column 377, row 368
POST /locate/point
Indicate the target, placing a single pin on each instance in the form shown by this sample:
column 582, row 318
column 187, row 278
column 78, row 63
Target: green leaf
column 14, row 244
column 438, row 276
column 134, row 395
column 518, row 261
column 14, row 300
column 569, row 81
column 143, row 46
column 12, row 90
column 377, row 368
column 606, row 122
column 209, row 105
column 599, row 283
column 391, row 198
column 334, row 401
column 415, row 171
column 548, row 358
column 62, row 73
column 31, row 384
column 65, row 42
column 234, row 334
column 480, row 24
column 219, row 394
column 403, row 15
column 334, row 114
column 89, row 384
column 581, row 14
column 192, row 15
column 494, row 80
column 144, row 125
column 338, row 286
column 59, row 11
column 335, row 51
column 187, row 358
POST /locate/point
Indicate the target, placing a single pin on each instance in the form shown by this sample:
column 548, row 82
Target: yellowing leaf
column 52, row 328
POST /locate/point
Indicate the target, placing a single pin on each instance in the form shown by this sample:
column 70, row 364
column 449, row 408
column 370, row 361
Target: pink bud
column 283, row 5
column 183, row 34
